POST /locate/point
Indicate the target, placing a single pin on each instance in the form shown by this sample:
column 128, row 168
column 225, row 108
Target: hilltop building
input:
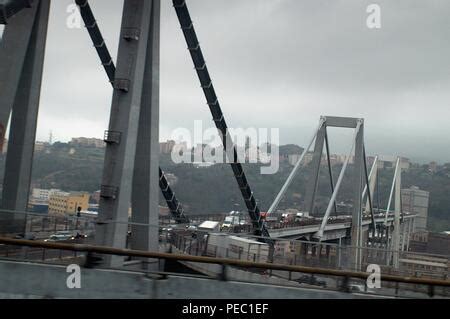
column 166, row 147
column 85, row 141
column 67, row 203
column 40, row 194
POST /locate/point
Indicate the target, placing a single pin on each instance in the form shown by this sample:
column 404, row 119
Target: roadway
column 333, row 231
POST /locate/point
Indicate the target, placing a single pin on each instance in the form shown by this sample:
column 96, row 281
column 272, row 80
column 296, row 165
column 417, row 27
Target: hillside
column 213, row 189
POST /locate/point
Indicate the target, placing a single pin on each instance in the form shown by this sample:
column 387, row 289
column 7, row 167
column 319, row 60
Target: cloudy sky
column 275, row 64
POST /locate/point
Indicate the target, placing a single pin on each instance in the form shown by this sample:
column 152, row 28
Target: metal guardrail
column 223, row 261
column 309, row 254
column 298, row 252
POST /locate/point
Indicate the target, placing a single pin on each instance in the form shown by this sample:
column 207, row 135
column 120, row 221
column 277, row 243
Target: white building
column 415, row 200
column 385, row 161
column 85, row 141
column 166, row 147
column 42, row 195
column 294, row 158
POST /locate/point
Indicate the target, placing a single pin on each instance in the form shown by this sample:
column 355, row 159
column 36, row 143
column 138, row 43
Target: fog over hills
column 275, row 64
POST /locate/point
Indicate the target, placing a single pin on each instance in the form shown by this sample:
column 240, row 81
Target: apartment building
column 67, row 203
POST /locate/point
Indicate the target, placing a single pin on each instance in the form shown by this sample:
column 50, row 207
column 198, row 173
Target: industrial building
column 84, row 141
column 66, row 203
column 41, row 194
column 415, row 201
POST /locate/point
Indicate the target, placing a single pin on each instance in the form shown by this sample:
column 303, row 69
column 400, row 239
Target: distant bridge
column 336, row 231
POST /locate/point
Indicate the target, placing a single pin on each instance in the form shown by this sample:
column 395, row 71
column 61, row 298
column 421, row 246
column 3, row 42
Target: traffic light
column 79, row 211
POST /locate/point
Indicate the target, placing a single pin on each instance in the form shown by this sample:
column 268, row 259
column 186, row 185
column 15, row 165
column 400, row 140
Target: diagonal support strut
column 218, row 117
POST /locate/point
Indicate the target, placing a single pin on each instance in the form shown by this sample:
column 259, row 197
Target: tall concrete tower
column 416, row 201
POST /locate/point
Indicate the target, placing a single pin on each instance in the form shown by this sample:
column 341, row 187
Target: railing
column 287, row 252
column 307, row 253
column 312, row 254
column 42, row 225
column 54, row 256
column 344, row 277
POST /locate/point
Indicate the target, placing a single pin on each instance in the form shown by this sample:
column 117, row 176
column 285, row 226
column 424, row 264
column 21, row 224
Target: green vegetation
column 213, row 189
column 67, row 168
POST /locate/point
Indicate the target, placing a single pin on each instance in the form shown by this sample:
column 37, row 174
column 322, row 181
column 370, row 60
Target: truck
column 230, row 221
column 233, row 219
column 301, row 216
column 209, row 226
column 224, row 246
column 288, row 217
column 274, row 217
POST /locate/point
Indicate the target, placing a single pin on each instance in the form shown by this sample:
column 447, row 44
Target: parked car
column 80, row 236
column 356, row 288
column 63, row 236
column 311, row 280
column 58, row 238
column 25, row 236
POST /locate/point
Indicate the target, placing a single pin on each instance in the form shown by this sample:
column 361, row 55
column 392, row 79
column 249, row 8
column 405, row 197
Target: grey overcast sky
column 275, row 64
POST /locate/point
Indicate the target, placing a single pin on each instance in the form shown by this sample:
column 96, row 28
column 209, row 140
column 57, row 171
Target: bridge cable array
column 200, row 65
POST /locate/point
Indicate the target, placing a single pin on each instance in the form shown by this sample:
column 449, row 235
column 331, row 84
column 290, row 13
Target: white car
column 60, row 236
column 356, row 288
